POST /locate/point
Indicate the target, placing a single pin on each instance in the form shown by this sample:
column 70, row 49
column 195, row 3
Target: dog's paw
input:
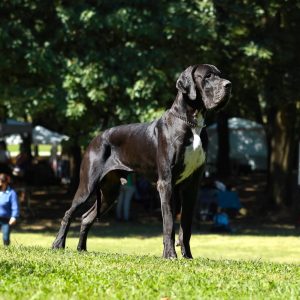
column 171, row 257
column 57, row 247
column 81, row 249
column 186, row 254
column 170, row 254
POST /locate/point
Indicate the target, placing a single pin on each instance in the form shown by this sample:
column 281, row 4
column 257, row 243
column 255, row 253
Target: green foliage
column 107, row 62
column 110, row 62
column 29, row 69
column 261, row 42
column 84, row 66
column 118, row 65
column 256, row 51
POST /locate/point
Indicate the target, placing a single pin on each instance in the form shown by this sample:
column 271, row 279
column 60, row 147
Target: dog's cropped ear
column 186, row 84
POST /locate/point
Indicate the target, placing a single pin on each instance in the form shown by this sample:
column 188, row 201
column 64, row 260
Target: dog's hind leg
column 79, row 199
column 106, row 196
column 89, row 176
column 87, row 221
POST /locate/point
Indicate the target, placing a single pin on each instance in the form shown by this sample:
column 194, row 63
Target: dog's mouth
column 219, row 102
column 216, row 98
column 221, row 98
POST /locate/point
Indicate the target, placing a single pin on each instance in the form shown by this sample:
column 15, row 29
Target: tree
column 29, row 68
column 85, row 66
column 261, row 40
column 88, row 65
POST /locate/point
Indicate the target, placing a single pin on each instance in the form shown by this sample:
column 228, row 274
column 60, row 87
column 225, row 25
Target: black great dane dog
column 170, row 151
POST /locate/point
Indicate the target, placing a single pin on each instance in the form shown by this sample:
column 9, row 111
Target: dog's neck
column 192, row 112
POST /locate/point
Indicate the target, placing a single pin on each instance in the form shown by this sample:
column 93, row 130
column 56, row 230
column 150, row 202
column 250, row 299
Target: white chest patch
column 194, row 156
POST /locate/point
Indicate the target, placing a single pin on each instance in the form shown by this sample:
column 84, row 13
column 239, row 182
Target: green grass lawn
column 124, row 262
column 16, row 148
column 43, row 149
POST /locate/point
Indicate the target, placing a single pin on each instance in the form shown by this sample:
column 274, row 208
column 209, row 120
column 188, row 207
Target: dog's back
column 131, row 147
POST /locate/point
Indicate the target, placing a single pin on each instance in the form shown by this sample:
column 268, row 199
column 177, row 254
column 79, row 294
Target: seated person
column 5, row 160
column 221, row 221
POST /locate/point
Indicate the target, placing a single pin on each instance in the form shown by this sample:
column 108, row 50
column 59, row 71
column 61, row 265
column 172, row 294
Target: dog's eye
column 209, row 76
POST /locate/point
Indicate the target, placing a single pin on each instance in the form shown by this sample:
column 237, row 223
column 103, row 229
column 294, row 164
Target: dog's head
column 203, row 82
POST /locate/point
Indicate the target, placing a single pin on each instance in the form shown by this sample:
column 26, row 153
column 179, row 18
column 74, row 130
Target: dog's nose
column 227, row 84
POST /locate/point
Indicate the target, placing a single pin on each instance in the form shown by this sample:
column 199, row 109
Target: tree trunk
column 282, row 143
column 75, row 152
column 223, row 158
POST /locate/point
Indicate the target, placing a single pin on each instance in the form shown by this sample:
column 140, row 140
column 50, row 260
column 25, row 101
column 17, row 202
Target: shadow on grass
column 154, row 229
column 244, row 229
column 107, row 229
column 270, row 231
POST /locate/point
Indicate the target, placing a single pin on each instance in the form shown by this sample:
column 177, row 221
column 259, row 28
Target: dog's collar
column 189, row 123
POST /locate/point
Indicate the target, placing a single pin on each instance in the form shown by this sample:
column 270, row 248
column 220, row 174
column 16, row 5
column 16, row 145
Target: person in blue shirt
column 221, row 221
column 9, row 207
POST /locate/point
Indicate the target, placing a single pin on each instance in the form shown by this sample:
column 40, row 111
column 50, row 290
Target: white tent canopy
column 248, row 145
column 40, row 135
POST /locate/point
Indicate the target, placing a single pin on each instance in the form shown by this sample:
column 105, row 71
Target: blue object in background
column 229, row 199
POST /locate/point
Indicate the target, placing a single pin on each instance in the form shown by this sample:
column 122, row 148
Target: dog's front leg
column 185, row 229
column 189, row 196
column 168, row 211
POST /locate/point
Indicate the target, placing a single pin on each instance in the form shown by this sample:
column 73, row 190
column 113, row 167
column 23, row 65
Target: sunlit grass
column 39, row 273
column 282, row 249
column 124, row 262
column 43, row 149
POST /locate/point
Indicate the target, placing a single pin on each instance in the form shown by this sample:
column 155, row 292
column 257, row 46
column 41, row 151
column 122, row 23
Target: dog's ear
column 186, row 84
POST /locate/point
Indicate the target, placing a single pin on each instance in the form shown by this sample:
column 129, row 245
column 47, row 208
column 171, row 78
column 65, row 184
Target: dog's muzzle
column 227, row 87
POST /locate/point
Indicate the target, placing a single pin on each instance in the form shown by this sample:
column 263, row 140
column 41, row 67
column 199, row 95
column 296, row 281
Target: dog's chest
column 194, row 156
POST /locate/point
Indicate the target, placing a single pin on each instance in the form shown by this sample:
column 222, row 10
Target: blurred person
column 124, row 200
column 144, row 194
column 23, row 162
column 5, row 159
column 221, row 221
column 9, row 207
column 53, row 160
column 220, row 185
